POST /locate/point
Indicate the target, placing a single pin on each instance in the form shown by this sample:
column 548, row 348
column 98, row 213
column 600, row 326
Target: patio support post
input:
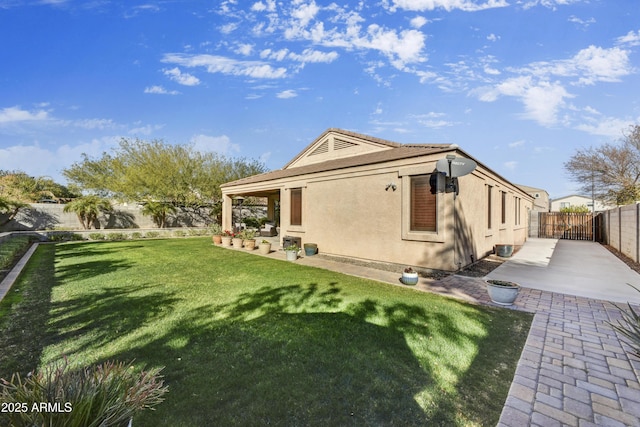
column 227, row 213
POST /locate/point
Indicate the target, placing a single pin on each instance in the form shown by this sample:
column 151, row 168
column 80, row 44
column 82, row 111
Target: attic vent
column 321, row 149
column 339, row 144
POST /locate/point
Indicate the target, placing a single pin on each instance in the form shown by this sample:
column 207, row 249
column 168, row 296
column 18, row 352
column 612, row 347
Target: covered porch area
column 234, row 200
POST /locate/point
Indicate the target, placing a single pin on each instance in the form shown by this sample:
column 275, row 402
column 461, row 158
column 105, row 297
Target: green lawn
column 247, row 340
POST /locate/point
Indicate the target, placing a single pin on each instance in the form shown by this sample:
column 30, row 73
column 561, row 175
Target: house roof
column 362, row 137
column 398, row 152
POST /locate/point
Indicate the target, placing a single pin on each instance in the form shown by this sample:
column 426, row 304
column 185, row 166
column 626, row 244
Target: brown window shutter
column 296, row 206
column 423, row 205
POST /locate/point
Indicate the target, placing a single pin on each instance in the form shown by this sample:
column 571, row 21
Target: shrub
column 152, row 234
column 108, row 394
column 116, row 236
column 64, row 236
column 136, row 235
column 179, row 233
column 97, row 236
column 629, row 326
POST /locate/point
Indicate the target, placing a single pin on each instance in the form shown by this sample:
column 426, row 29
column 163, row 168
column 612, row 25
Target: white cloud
column 179, row 77
column 37, row 160
column 448, row 5
column 516, row 144
column 511, row 165
column 245, row 49
column 286, row 94
column 160, row 90
column 632, row 38
column 541, row 99
column 145, row 130
column 605, row 126
column 313, row 56
column 493, row 38
column 17, row 114
column 220, row 64
column 418, row 22
column 216, row 144
column 582, row 22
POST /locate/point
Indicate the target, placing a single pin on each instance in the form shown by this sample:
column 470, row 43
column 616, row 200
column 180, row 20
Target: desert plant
column 87, row 209
column 215, row 229
column 629, row 326
column 159, row 211
column 116, row 236
column 108, row 394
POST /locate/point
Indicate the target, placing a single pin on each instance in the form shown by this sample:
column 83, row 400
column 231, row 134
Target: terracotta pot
column 264, row 248
column 249, row 244
column 217, row 239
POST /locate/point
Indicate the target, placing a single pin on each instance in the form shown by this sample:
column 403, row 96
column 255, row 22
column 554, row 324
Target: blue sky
column 518, row 84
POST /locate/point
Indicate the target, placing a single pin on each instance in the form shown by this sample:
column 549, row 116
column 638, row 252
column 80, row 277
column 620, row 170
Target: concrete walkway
column 571, row 267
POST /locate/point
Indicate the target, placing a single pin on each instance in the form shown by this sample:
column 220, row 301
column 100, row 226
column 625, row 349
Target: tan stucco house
column 367, row 198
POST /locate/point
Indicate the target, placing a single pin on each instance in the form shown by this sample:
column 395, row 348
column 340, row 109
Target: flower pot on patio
column 225, row 240
column 409, row 276
column 264, row 248
column 504, row 251
column 249, row 244
column 216, row 239
column 502, row 292
column 292, row 252
column 237, row 242
column 310, row 249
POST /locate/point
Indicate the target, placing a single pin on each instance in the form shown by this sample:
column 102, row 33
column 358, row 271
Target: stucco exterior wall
column 355, row 212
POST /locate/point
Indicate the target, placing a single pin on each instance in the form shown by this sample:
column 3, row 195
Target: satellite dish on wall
column 456, row 166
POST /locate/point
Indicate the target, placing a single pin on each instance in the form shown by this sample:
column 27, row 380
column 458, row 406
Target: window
column 423, row 215
column 517, row 210
column 489, row 188
column 296, row 206
column 503, row 207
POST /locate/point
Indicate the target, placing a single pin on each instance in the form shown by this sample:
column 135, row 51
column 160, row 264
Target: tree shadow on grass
column 102, row 316
column 296, row 356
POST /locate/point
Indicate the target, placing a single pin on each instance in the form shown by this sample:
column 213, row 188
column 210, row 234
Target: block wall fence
column 621, row 230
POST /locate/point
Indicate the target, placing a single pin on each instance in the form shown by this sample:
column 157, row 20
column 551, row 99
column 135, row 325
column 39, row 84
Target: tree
column 158, row 211
column 610, row 171
column 153, row 170
column 9, row 209
column 575, row 209
column 87, row 209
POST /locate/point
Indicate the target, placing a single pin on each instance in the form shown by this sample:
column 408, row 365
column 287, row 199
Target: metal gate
column 572, row 226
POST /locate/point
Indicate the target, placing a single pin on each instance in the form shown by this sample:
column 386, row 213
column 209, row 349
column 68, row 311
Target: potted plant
column 310, row 249
column 502, row 292
column 264, row 247
column 409, row 276
column 226, row 237
column 504, row 250
column 236, row 241
column 216, row 233
column 292, row 252
column 248, row 239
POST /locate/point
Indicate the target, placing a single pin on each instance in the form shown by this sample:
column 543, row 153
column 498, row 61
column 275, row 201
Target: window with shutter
column 423, row 205
column 296, row 206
